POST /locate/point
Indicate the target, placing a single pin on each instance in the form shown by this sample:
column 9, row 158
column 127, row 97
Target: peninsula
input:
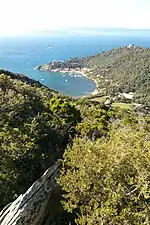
column 123, row 73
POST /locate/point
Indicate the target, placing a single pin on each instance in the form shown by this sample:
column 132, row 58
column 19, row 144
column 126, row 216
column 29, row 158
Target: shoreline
column 95, row 92
column 73, row 71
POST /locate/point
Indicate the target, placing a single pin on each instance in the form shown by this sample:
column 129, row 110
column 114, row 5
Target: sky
column 23, row 16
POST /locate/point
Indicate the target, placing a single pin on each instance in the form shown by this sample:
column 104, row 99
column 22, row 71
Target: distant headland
column 121, row 73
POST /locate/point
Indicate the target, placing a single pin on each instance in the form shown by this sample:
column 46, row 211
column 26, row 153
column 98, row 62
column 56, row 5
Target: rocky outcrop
column 31, row 207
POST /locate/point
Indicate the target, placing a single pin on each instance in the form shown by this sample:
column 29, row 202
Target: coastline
column 95, row 92
column 74, row 71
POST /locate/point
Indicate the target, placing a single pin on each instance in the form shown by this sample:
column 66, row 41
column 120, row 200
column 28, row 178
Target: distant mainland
column 75, row 31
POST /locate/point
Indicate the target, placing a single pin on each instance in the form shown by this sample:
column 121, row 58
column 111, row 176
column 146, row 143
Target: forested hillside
column 116, row 72
column 35, row 126
column 126, row 69
column 104, row 150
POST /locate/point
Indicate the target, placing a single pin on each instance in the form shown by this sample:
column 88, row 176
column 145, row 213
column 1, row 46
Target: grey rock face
column 30, row 208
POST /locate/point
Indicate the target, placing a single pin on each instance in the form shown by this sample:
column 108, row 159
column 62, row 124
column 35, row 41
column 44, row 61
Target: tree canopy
column 104, row 150
column 108, row 181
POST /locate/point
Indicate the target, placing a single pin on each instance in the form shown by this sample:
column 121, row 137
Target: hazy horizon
column 28, row 16
column 81, row 31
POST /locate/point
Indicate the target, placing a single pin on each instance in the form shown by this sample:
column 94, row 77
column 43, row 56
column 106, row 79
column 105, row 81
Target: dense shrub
column 108, row 181
column 35, row 127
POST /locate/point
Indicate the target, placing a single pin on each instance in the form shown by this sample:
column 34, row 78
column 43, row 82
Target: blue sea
column 23, row 54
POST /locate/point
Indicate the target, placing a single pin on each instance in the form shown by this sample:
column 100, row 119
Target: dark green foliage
column 72, row 63
column 105, row 175
column 122, row 70
column 63, row 109
column 108, row 181
column 34, row 130
column 95, row 119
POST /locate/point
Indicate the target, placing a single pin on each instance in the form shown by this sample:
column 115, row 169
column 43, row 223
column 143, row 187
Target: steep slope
column 126, row 69
column 38, row 127
column 36, row 124
column 118, row 71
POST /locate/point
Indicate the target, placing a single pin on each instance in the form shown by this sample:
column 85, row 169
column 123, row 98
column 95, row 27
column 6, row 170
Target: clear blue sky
column 22, row 16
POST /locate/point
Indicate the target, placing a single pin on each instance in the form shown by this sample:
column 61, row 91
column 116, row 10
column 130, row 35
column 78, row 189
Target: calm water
column 25, row 53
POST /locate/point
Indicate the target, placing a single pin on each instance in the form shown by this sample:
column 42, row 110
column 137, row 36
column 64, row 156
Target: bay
column 23, row 54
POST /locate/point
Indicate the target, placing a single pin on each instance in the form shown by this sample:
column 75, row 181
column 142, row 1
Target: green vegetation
column 35, row 126
column 122, row 105
column 123, row 70
column 119, row 71
column 72, row 63
column 108, row 181
column 104, row 149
